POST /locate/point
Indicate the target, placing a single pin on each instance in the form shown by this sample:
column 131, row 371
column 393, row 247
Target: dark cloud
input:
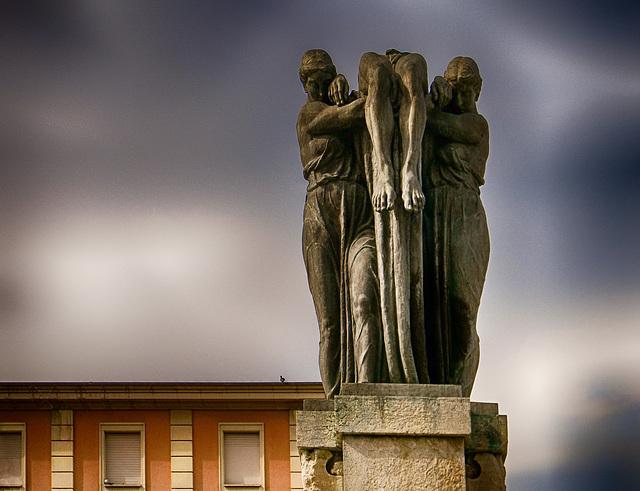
column 597, row 187
column 40, row 24
column 594, row 30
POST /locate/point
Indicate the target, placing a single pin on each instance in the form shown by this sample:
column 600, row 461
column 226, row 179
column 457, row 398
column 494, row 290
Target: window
column 13, row 456
column 122, row 456
column 241, row 456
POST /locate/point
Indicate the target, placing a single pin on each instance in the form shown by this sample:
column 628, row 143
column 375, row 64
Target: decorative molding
column 161, row 396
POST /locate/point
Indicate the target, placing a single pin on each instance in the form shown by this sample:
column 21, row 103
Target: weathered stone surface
column 412, row 441
column 318, row 405
column 403, row 463
column 486, row 448
column 484, row 408
column 406, row 390
column 317, row 429
column 320, row 470
column 488, row 434
column 487, row 472
column 418, row 416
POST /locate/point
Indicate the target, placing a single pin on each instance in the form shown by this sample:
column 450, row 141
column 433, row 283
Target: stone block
column 61, row 464
column 484, row 408
column 400, row 437
column 181, row 480
column 403, row 390
column 61, row 480
column 296, row 480
column 403, row 463
column 181, row 417
column 61, row 448
column 318, row 405
column 486, row 472
column 62, row 433
column 394, row 415
column 317, row 429
column 294, row 463
column 181, row 464
column 489, row 433
column 62, row 417
column 181, row 449
column 181, row 433
column 486, row 448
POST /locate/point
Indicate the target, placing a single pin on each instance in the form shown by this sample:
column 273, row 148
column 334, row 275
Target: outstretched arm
column 331, row 119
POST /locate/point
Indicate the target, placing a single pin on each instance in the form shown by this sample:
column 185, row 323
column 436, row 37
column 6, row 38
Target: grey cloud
column 597, row 188
column 601, row 450
column 597, row 30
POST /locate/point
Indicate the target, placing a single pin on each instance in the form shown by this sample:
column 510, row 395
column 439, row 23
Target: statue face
column 317, row 85
column 464, row 96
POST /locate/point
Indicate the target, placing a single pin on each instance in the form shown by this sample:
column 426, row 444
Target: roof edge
column 158, row 395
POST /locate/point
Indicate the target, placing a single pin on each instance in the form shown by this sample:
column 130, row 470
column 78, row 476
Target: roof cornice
column 157, row 395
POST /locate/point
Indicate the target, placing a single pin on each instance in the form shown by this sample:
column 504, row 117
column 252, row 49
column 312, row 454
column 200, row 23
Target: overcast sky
column 151, row 194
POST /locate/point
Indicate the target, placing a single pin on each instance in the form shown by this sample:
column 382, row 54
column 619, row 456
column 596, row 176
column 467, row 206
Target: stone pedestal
column 400, row 437
column 486, row 448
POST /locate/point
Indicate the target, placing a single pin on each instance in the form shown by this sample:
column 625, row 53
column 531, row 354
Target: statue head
column 463, row 74
column 316, row 73
column 314, row 60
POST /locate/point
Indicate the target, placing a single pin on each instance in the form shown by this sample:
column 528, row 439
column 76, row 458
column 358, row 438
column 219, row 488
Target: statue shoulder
column 308, row 113
column 483, row 126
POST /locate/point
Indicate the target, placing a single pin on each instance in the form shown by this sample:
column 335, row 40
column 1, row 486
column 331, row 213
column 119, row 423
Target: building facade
column 151, row 437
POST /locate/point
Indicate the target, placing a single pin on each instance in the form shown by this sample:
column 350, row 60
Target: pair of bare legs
column 383, row 84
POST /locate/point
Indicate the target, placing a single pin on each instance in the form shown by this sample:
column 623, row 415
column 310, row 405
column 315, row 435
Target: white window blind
column 242, row 459
column 11, row 458
column 123, row 459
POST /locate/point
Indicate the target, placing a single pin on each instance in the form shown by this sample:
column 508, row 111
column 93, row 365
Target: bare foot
column 412, row 194
column 384, row 196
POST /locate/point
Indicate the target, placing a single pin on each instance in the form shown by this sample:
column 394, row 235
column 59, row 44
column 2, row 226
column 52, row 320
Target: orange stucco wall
column 38, row 445
column 87, row 446
column 157, row 446
column 205, row 446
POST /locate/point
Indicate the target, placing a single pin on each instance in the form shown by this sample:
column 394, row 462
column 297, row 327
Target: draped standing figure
column 456, row 237
column 338, row 232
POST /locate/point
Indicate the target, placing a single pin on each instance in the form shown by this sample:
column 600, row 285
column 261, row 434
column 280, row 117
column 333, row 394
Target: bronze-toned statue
column 338, row 237
column 395, row 85
column 456, row 237
column 395, row 240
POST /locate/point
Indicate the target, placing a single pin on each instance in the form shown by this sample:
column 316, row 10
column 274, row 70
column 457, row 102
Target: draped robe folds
column 398, row 235
column 338, row 245
column 456, row 256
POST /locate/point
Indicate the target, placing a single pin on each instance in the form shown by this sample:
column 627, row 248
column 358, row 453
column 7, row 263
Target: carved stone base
column 486, row 448
column 401, row 437
column 321, row 470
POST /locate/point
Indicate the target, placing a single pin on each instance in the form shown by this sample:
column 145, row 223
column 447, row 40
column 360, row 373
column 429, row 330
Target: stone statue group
column 395, row 237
